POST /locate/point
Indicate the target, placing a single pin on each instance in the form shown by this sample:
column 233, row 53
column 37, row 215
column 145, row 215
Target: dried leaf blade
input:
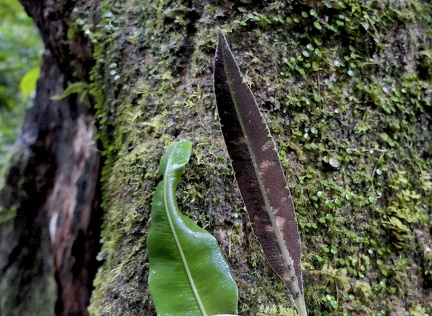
column 258, row 171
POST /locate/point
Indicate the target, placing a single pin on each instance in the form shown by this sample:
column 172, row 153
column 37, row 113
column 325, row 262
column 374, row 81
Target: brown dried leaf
column 258, row 171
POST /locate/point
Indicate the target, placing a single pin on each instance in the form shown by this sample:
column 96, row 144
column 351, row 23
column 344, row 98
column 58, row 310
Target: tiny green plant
column 80, row 88
column 188, row 274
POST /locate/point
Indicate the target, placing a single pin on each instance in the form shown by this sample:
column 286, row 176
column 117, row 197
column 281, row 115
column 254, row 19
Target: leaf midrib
column 279, row 238
column 168, row 197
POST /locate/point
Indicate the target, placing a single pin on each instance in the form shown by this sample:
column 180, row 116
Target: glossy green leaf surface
column 188, row 274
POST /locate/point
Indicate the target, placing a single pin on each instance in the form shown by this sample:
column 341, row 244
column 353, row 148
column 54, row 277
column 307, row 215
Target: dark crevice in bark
column 186, row 48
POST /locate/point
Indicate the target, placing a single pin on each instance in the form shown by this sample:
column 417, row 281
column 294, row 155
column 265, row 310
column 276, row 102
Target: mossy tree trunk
column 346, row 89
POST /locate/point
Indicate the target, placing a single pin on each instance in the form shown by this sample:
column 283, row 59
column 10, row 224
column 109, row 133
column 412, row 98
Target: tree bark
column 49, row 246
column 345, row 88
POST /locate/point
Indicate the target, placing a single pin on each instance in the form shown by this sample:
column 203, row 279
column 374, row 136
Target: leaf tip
column 220, row 34
column 222, row 42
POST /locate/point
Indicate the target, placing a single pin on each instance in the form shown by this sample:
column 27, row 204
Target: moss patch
column 345, row 87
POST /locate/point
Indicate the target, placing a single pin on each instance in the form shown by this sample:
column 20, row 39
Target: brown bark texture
column 345, row 87
column 49, row 245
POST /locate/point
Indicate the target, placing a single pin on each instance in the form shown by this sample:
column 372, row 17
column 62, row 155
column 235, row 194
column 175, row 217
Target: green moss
column 339, row 81
column 274, row 310
column 340, row 97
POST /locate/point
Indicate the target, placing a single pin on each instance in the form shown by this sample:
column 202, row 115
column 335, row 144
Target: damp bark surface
column 49, row 244
column 345, row 90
